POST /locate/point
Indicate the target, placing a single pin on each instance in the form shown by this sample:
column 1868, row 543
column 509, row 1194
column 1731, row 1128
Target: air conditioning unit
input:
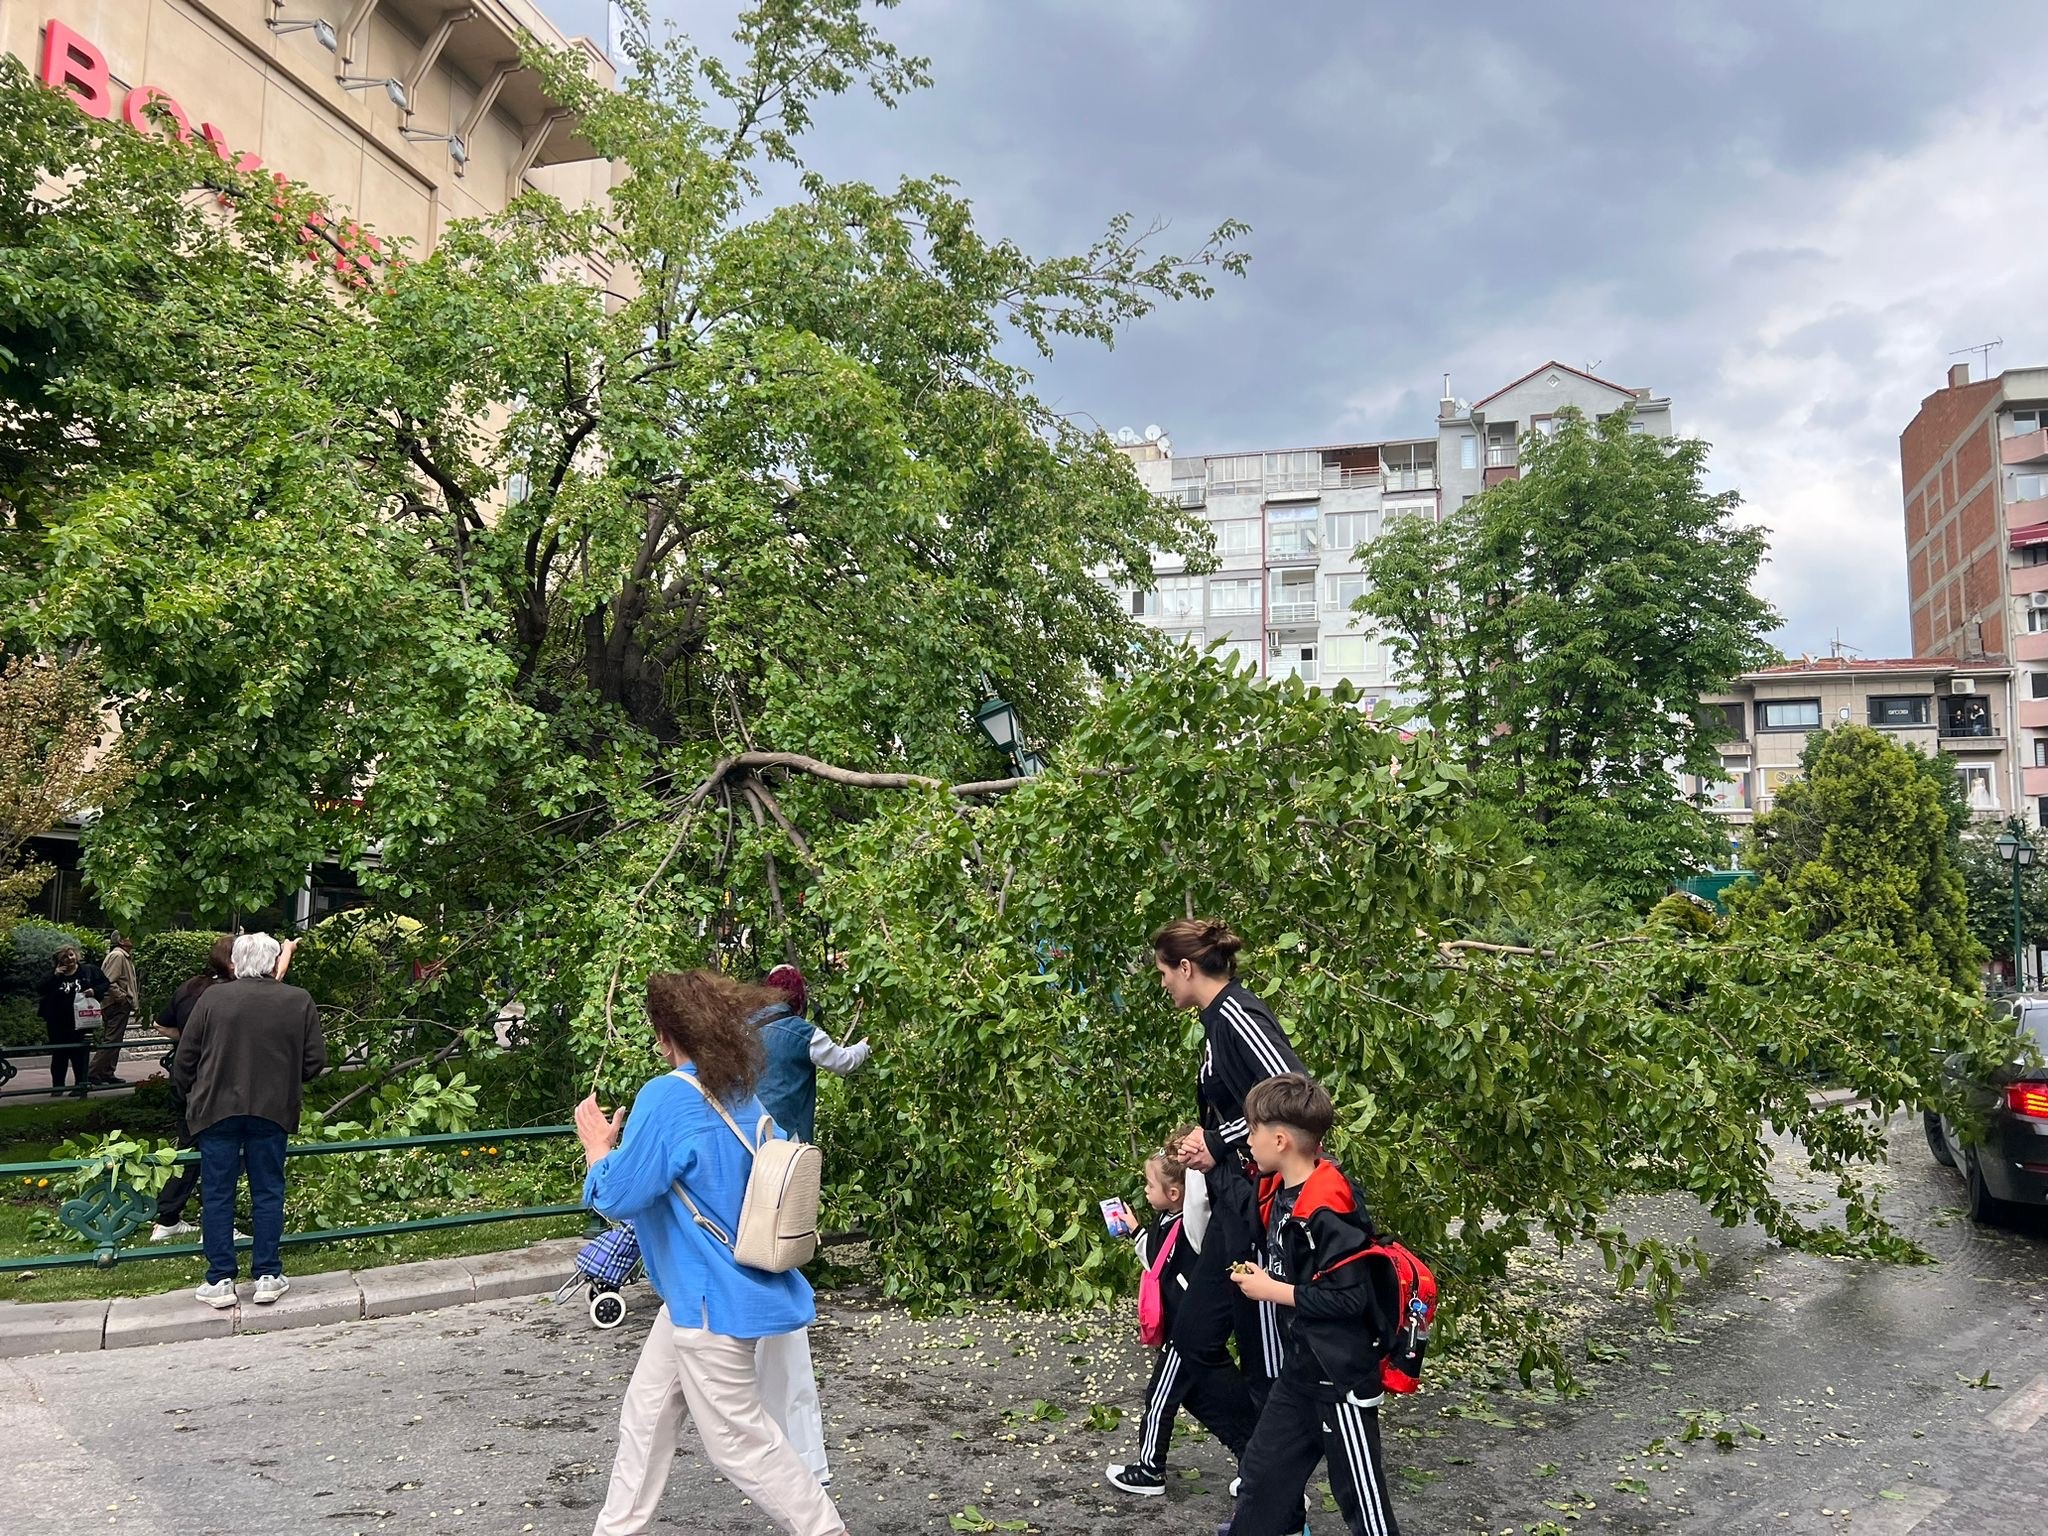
column 2037, row 599
column 1962, row 685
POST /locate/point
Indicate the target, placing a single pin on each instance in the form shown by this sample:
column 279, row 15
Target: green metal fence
column 114, row 1211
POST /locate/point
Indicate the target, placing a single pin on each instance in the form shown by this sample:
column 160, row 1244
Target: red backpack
column 1407, row 1294
column 1151, row 1297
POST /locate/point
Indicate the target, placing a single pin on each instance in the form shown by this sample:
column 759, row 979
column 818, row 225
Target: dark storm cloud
column 1735, row 205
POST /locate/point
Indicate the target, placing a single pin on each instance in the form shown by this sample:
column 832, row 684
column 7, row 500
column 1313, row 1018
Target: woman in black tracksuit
column 1243, row 1045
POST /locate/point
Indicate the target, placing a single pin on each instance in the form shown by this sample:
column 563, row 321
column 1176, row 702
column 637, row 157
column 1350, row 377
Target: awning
column 2033, row 533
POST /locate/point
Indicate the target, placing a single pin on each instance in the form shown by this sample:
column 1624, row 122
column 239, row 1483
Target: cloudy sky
column 1784, row 217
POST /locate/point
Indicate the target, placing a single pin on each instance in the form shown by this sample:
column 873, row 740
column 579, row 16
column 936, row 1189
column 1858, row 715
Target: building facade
column 402, row 114
column 1289, row 523
column 1962, row 709
column 1974, row 466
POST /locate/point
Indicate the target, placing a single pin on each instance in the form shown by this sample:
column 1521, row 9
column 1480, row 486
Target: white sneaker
column 219, row 1295
column 163, row 1234
column 269, row 1288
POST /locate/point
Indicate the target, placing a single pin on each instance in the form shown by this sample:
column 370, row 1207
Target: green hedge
column 166, row 961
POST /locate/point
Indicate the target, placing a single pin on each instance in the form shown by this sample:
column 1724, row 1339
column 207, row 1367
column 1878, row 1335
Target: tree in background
column 52, row 729
column 1867, row 840
column 1987, row 880
column 465, row 559
column 1561, row 630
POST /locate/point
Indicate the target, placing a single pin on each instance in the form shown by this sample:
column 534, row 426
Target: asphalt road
column 1851, row 1396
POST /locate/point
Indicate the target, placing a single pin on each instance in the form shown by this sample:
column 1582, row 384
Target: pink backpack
column 1151, row 1299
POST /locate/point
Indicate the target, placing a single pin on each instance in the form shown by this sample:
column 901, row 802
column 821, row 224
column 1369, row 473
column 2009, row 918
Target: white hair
column 256, row 955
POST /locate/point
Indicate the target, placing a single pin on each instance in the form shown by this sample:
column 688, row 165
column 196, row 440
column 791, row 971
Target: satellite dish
column 1153, row 434
column 1126, row 436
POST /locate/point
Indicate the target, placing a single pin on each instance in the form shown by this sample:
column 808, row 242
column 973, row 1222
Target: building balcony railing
column 1338, row 478
column 1292, row 612
column 1410, row 479
column 2024, row 448
column 1500, row 455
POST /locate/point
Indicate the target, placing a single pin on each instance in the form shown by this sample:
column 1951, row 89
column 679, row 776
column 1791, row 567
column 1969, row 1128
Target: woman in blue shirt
column 699, row 1355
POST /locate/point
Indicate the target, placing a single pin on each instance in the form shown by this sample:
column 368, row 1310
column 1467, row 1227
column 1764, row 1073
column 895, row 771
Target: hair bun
column 1219, row 937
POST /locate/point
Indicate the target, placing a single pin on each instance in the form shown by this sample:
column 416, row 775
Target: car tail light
column 2029, row 1099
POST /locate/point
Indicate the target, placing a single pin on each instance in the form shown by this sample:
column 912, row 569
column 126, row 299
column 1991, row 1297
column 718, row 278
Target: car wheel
column 1984, row 1209
column 1936, row 1142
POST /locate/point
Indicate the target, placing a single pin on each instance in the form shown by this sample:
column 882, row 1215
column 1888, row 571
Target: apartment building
column 1974, row 466
column 1290, row 522
column 1962, row 709
column 403, row 114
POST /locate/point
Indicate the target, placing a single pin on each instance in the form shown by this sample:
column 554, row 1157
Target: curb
column 50, row 1327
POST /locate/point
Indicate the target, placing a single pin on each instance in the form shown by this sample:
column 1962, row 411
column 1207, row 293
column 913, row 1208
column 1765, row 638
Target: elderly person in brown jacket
column 248, row 1049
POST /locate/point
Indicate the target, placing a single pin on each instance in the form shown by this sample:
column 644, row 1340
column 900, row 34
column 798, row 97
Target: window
column 1394, row 511
column 1294, row 602
column 1237, row 654
column 1340, row 592
column 1788, row 715
column 1776, row 778
column 1977, row 787
column 2020, row 423
column 1239, row 536
column 2034, row 554
column 1910, row 709
column 1468, row 451
column 1239, row 473
column 1348, row 653
column 1300, row 471
column 1291, row 531
column 2041, row 810
column 2027, row 487
column 1241, row 596
column 1966, row 715
column 2037, row 685
column 2037, row 620
column 1143, row 604
column 1348, row 530
column 1180, row 598
column 2041, row 751
column 517, row 488
column 1730, row 792
column 1734, row 721
column 1543, row 426
column 1409, row 466
column 1296, row 660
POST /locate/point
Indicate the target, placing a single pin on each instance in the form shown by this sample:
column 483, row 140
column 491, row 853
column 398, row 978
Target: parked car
column 2009, row 1165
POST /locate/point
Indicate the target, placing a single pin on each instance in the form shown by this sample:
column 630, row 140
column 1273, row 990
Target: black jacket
column 54, row 995
column 1337, row 1329
column 248, row 1048
column 1242, row 1046
column 1179, row 1266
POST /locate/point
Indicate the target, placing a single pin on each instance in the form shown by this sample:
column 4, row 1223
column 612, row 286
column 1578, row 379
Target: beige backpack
column 778, row 1227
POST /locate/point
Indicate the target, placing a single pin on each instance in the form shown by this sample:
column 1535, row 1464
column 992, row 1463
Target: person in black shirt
column 1214, row 1394
column 170, row 1201
column 1316, row 1266
column 70, row 978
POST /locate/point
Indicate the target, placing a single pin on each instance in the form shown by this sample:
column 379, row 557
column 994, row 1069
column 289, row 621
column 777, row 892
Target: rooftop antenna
column 1982, row 352
column 1838, row 648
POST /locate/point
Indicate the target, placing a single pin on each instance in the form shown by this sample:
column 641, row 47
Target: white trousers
column 714, row 1379
column 789, row 1391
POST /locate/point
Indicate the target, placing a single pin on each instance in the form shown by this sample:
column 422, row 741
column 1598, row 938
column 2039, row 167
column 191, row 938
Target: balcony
column 1300, row 546
column 1502, row 455
column 2034, row 714
column 2022, row 579
column 1293, row 611
column 2025, row 448
column 2034, row 782
column 1338, row 478
column 2030, row 646
column 1191, row 494
column 1410, row 479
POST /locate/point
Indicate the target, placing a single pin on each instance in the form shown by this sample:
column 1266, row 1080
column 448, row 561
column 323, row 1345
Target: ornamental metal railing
column 109, row 1210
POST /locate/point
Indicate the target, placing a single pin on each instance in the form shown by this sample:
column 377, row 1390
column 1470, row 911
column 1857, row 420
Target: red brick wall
column 1955, row 569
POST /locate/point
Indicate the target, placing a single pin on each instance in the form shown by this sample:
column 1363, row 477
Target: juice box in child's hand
column 1118, row 1218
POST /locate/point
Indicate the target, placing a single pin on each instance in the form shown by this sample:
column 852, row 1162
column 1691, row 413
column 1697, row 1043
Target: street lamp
column 2013, row 847
column 998, row 721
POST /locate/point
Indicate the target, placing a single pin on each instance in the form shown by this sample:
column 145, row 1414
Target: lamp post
column 2013, row 847
column 998, row 721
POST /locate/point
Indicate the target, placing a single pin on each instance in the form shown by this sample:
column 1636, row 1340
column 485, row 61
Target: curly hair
column 710, row 1019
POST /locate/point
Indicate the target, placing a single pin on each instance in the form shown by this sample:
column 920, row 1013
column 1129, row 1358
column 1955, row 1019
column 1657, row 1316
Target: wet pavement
column 1793, row 1394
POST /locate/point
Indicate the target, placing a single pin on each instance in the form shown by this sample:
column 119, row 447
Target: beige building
column 1963, row 709
column 403, row 114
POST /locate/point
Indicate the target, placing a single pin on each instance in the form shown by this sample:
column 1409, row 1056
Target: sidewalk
column 39, row 1328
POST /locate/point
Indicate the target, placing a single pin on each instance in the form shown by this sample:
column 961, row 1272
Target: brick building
column 1974, row 465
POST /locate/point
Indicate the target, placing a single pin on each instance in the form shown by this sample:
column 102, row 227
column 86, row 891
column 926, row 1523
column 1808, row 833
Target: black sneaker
column 1139, row 1480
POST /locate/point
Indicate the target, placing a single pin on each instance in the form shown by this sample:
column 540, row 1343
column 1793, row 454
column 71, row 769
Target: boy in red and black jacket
column 1325, row 1400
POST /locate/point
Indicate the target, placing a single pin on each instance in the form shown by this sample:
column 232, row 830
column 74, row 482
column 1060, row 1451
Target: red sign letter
column 79, row 70
column 134, row 111
column 218, row 143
